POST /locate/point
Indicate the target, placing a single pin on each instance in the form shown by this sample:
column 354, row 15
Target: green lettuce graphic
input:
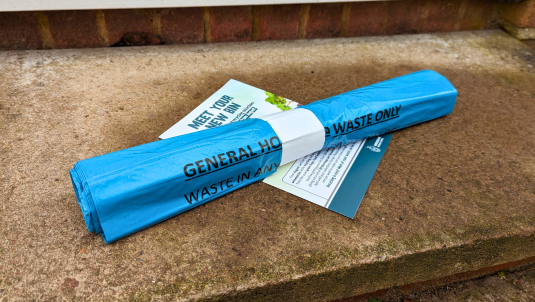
column 278, row 101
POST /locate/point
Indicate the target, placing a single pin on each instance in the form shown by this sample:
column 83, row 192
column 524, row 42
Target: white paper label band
column 300, row 132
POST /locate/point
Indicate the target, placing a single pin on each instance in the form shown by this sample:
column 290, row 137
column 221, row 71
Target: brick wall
column 519, row 19
column 134, row 27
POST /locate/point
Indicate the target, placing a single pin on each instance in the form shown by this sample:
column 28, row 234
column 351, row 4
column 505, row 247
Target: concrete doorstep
column 452, row 198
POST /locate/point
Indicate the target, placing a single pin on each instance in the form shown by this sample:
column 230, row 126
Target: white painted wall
column 37, row 5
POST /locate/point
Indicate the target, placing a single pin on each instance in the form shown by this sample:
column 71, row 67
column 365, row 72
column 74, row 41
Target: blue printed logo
column 376, row 145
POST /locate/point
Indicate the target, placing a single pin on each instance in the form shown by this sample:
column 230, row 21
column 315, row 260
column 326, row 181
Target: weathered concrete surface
column 452, row 195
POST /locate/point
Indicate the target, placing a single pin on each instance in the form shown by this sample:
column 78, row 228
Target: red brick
column 366, row 19
column 124, row 25
column 478, row 15
column 279, row 22
column 405, row 17
column 231, row 23
column 324, row 21
column 19, row 30
column 520, row 14
column 74, row 29
column 442, row 16
column 182, row 25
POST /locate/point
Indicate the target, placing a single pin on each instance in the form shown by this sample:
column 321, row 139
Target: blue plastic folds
column 126, row 191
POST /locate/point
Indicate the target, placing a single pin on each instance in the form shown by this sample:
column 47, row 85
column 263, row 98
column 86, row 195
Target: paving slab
column 453, row 195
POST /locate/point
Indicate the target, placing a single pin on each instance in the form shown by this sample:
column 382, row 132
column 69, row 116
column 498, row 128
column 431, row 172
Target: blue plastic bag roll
column 126, row 191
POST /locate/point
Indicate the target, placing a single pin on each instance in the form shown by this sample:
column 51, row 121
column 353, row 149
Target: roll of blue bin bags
column 126, row 191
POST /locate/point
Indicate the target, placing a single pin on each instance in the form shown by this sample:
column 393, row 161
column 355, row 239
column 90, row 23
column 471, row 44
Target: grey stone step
column 450, row 196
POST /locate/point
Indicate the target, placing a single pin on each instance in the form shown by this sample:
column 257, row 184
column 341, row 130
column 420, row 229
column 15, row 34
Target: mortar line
column 423, row 16
column 44, row 25
column 207, row 25
column 345, row 19
column 495, row 13
column 384, row 21
column 257, row 15
column 102, row 29
column 156, row 24
column 460, row 15
column 303, row 20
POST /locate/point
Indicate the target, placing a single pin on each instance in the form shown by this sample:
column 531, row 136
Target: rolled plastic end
column 441, row 86
column 83, row 196
column 444, row 91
